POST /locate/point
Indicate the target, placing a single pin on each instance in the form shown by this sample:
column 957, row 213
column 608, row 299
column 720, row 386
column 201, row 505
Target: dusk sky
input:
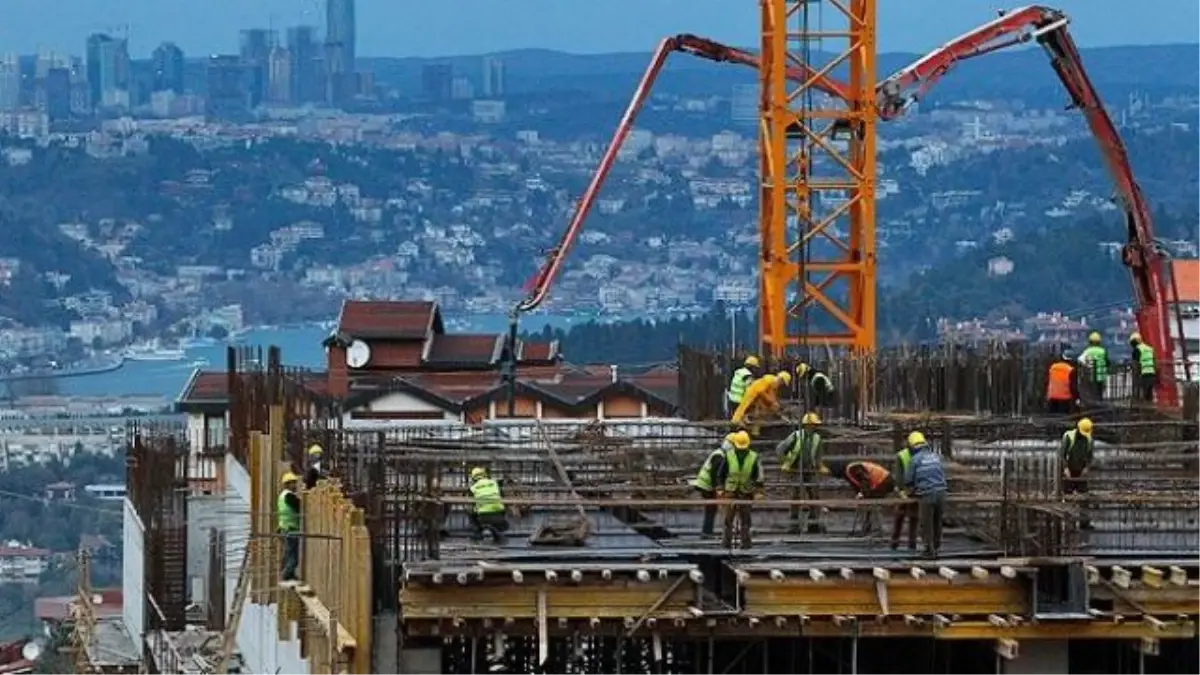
column 451, row 27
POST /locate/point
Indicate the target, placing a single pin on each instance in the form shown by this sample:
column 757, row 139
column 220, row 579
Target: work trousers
column 1059, row 406
column 291, row 555
column 737, row 514
column 1146, row 384
column 904, row 512
column 710, row 512
column 932, row 508
column 820, row 398
column 1075, row 484
column 494, row 521
column 806, row 490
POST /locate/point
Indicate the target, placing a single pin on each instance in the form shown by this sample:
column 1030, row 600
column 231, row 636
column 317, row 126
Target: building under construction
column 604, row 570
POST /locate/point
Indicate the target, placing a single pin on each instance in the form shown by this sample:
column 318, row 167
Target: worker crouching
column 487, row 514
column 761, row 402
column 817, row 385
column 287, row 515
column 869, row 481
column 703, row 483
column 740, row 477
column 801, row 456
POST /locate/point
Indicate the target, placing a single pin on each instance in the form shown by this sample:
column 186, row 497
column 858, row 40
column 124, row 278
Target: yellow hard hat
column 1095, row 338
column 802, row 369
column 289, row 477
column 315, row 449
column 478, row 472
column 1135, row 337
column 785, row 376
column 751, row 361
column 740, row 439
column 916, row 438
column 810, row 418
column 1085, row 426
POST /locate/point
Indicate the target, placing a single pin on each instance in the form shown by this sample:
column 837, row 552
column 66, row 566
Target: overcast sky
column 449, row 27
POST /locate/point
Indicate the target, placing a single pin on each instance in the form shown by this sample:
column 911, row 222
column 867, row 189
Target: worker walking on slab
column 314, row 472
column 739, row 476
column 287, row 515
column 1077, row 451
column 869, row 481
column 1062, row 386
column 742, row 377
column 907, row 511
column 818, row 386
column 800, row 453
column 925, row 480
column 1146, row 367
column 761, row 401
column 703, row 482
column 487, row 514
column 1095, row 363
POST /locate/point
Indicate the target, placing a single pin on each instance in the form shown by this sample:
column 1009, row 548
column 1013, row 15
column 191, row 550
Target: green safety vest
column 822, row 376
column 704, row 477
column 1070, row 439
column 1145, row 354
column 805, row 446
column 739, row 383
column 905, row 458
column 288, row 518
column 1095, row 358
column 486, row 493
column 741, row 470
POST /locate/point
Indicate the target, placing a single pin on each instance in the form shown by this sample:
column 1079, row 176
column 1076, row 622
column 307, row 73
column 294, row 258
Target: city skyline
column 385, row 28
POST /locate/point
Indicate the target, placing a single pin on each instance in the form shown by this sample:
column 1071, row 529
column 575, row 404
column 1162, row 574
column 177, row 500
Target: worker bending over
column 739, row 476
column 287, row 515
column 870, row 481
column 818, row 384
column 314, row 472
column 1147, row 367
column 1077, row 451
column 742, row 377
column 907, row 511
column 1062, row 386
column 801, row 450
column 487, row 514
column 761, row 401
column 925, row 480
column 1094, row 359
column 704, row 479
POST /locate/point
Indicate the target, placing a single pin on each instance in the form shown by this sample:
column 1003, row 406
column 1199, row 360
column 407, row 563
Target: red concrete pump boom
column 1048, row 27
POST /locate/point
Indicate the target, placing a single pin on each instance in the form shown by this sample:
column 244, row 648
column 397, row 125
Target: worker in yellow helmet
column 713, row 465
column 1145, row 366
column 742, row 377
column 818, row 386
column 801, row 450
column 314, row 472
column 487, row 513
column 908, row 511
column 287, row 518
column 739, row 476
column 1077, row 450
column 1095, row 365
column 761, row 401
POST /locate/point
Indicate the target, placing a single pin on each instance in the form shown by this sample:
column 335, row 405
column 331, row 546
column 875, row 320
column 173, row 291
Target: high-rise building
column 437, row 81
column 226, row 96
column 167, row 61
column 10, row 82
column 279, row 76
column 340, row 35
column 304, row 54
column 54, row 94
column 493, row 77
column 108, row 71
column 255, row 54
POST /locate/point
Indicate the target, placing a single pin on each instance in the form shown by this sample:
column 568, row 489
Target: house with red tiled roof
column 1186, row 293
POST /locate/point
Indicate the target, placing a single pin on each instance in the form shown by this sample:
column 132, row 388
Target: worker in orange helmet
column 761, row 401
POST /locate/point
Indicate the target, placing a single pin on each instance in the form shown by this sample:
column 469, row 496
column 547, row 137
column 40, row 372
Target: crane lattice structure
column 817, row 199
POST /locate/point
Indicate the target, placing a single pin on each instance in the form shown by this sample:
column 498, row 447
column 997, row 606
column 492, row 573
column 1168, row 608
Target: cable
column 72, row 505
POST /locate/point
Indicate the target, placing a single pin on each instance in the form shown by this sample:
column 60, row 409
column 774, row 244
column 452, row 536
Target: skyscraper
column 167, row 61
column 227, row 95
column 304, row 55
column 437, row 81
column 10, row 82
column 279, row 76
column 493, row 77
column 339, row 35
column 255, row 54
column 109, row 71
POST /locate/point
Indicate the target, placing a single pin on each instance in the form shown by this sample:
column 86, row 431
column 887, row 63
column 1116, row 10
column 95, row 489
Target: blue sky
column 448, row 27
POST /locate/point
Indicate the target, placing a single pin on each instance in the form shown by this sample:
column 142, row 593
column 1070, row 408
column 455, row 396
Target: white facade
column 400, row 402
column 1190, row 313
column 133, row 573
column 206, row 431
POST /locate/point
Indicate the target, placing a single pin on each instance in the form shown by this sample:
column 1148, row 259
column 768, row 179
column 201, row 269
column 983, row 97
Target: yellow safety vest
column 287, row 518
column 486, row 493
column 739, row 383
column 704, row 477
column 740, row 470
column 1145, row 355
column 806, row 446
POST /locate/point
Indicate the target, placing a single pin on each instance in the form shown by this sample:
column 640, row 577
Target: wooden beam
column 1179, row 576
column 320, row 613
column 1152, row 576
column 1121, row 577
column 1007, row 648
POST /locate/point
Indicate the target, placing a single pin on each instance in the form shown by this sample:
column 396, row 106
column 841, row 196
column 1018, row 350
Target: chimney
column 613, row 369
column 339, row 377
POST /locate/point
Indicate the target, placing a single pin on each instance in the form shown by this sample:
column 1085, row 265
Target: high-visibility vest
column 819, row 376
column 876, row 475
column 740, row 470
column 905, row 458
column 704, row 476
column 805, row 447
column 737, row 385
column 1145, row 354
column 486, row 493
column 1071, row 442
column 1058, row 385
column 287, row 518
column 1095, row 358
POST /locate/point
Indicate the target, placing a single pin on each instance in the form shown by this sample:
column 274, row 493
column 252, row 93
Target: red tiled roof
column 538, row 351
column 23, row 552
column 475, row 349
column 58, row 608
column 1187, row 278
column 387, row 319
column 456, row 387
column 212, row 386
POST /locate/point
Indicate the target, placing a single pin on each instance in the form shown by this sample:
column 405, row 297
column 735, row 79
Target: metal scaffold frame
column 817, row 203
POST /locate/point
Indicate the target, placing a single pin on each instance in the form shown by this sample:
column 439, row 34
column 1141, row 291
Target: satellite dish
column 358, row 354
column 31, row 651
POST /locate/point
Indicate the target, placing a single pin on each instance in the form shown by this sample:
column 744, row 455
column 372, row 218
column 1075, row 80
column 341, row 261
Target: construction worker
column 742, row 377
column 487, row 515
column 907, row 511
column 820, row 387
column 1062, row 386
column 739, row 476
column 703, row 482
column 925, row 480
column 1147, row 367
column 314, row 472
column 870, row 481
column 802, row 450
column 761, row 401
column 287, row 515
column 1094, row 359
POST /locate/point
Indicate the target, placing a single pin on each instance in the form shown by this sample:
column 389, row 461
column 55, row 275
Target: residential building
column 55, row 611
column 21, row 563
column 493, row 77
column 1187, row 281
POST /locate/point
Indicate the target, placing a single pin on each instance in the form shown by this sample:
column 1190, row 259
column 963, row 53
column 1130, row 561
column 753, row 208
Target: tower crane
column 1142, row 253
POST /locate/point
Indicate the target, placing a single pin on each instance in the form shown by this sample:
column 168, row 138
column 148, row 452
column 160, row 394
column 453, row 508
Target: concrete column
column 1047, row 657
column 421, row 660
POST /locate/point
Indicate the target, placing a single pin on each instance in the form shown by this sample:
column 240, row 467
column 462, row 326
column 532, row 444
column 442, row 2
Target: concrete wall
column 257, row 636
column 133, row 574
column 205, row 512
column 1040, row 657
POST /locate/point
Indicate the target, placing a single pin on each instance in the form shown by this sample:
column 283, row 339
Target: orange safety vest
column 876, row 474
column 1058, row 386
